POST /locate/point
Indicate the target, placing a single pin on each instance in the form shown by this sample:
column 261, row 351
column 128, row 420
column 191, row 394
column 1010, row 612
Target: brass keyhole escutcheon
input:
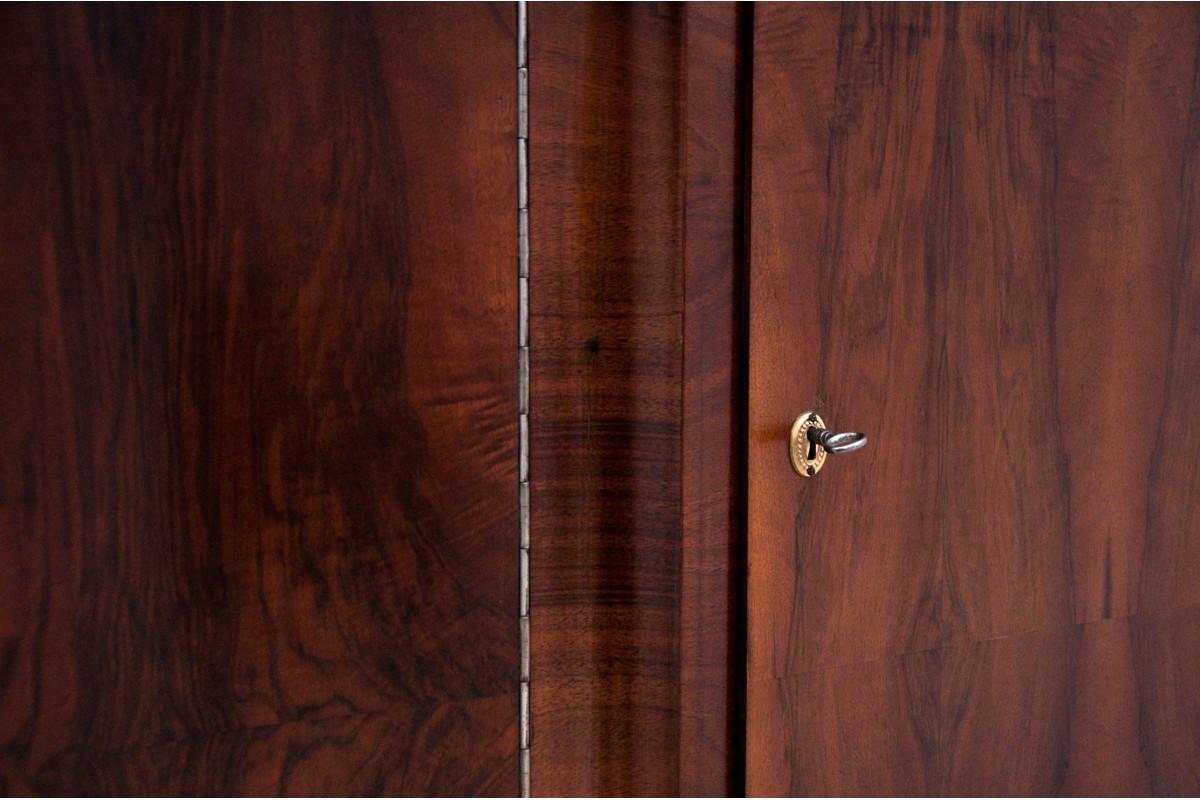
column 811, row 442
column 807, row 457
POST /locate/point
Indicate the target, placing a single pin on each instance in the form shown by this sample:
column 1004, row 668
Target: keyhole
column 812, row 450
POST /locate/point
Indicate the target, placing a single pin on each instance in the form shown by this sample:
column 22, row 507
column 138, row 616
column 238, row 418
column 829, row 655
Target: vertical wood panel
column 633, row 473
column 258, row 492
column 972, row 238
column 712, row 554
column 605, row 410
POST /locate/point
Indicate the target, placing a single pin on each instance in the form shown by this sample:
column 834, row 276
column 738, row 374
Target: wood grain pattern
column 712, row 467
column 634, row 468
column 454, row 750
column 971, row 237
column 257, row 502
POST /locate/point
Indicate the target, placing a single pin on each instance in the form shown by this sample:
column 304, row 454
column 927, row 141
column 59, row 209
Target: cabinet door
column 258, row 428
column 974, row 238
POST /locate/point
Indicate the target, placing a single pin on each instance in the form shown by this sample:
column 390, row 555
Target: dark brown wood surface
column 973, row 237
column 635, row 467
column 712, row 456
column 258, row 484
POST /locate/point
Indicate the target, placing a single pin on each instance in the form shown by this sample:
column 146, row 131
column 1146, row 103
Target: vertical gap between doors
column 741, row 399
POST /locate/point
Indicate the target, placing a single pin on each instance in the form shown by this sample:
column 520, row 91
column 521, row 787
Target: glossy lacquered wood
column 258, row 526
column 634, row 468
column 973, row 238
column 712, row 470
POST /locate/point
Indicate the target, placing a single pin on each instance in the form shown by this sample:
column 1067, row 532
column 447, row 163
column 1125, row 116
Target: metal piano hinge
column 523, row 730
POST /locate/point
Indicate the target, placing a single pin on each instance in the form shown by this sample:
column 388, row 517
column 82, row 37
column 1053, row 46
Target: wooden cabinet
column 398, row 399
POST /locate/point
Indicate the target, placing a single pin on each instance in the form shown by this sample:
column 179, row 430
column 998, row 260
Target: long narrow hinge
column 523, row 733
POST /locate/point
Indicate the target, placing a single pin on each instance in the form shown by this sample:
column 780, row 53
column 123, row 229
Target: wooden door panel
column 635, row 398
column 970, row 237
column 259, row 482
